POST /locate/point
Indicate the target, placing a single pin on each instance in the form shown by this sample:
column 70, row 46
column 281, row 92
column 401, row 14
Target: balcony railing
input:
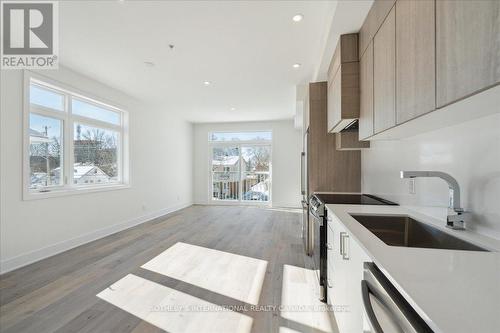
column 255, row 186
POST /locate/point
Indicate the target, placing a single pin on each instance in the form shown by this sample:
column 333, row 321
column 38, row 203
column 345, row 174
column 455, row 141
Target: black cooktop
column 352, row 199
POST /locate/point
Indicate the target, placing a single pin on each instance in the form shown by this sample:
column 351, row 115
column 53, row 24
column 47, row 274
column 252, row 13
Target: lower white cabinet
column 345, row 272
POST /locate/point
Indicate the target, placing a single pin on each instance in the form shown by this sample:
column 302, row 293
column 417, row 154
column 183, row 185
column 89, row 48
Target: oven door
column 317, row 252
column 306, row 233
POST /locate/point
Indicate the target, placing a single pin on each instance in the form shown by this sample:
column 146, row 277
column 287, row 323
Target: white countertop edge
column 428, row 215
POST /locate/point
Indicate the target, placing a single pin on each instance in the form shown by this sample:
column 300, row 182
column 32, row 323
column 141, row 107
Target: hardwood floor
column 58, row 294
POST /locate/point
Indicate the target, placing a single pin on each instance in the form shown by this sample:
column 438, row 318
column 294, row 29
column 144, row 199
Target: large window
column 241, row 166
column 73, row 142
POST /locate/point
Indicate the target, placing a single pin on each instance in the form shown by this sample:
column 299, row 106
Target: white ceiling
column 245, row 48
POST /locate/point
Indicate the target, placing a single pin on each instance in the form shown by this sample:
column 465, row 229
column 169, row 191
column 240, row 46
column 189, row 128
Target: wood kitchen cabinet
column 343, row 84
column 345, row 259
column 384, row 74
column 366, row 93
column 415, row 59
column 467, row 48
column 372, row 23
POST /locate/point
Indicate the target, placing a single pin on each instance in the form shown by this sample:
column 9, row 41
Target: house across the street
column 87, row 174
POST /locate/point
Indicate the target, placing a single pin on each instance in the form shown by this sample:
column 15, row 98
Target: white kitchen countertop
column 453, row 291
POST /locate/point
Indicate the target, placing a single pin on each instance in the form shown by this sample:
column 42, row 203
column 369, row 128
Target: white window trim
column 68, row 188
column 239, row 143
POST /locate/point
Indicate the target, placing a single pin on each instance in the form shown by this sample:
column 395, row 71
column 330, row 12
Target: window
column 241, row 166
column 46, row 97
column 95, row 154
column 74, row 143
column 45, row 149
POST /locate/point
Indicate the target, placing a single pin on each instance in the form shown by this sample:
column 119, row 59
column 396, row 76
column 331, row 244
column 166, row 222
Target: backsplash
column 470, row 152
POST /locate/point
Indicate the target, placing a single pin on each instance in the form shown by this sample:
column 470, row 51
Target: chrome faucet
column 457, row 217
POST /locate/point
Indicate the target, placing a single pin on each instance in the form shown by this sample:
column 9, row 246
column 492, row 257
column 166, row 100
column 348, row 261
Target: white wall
column 286, row 148
column 160, row 172
column 470, row 152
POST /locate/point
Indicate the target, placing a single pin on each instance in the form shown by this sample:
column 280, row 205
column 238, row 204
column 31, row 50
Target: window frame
column 239, row 144
column 260, row 141
column 67, row 131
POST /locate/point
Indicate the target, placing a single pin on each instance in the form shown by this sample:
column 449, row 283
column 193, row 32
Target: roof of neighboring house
column 226, row 160
column 82, row 170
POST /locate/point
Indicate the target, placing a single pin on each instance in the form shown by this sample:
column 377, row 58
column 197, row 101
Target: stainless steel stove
column 317, row 226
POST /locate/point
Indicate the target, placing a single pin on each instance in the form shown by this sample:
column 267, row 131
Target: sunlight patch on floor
column 231, row 275
column 172, row 310
column 300, row 300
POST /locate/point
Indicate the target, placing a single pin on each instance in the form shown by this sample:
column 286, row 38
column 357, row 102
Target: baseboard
column 37, row 255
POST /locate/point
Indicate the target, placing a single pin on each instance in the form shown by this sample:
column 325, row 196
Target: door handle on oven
column 370, row 314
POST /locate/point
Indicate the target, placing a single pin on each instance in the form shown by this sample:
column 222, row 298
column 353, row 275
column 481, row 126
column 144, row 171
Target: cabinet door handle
column 345, row 246
column 341, row 243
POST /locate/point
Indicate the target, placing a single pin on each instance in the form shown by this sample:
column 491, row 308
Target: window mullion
column 47, row 112
column 96, row 123
column 68, row 140
column 241, row 178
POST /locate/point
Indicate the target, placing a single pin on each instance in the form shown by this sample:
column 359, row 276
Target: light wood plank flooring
column 58, row 294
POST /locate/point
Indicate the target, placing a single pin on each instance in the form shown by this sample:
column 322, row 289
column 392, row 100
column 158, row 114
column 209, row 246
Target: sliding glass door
column 241, row 171
column 226, row 173
column 255, row 173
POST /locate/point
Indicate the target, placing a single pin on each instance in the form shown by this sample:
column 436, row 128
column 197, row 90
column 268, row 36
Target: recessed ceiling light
column 297, row 18
column 297, row 65
column 149, row 63
column 233, row 109
column 207, row 83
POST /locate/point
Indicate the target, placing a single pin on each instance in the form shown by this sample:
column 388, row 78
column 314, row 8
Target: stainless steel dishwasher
column 385, row 310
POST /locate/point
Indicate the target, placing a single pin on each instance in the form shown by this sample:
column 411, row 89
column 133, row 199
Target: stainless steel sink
column 405, row 231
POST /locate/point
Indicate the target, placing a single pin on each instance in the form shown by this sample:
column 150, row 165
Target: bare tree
column 261, row 158
column 98, row 148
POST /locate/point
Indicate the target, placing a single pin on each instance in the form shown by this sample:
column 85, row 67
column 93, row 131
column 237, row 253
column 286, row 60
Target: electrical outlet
column 412, row 186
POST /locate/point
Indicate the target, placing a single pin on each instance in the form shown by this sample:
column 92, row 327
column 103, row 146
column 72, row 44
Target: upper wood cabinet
column 366, row 93
column 343, row 84
column 415, row 59
column 373, row 21
column 467, row 48
column 420, row 56
column 334, row 100
column 384, row 74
